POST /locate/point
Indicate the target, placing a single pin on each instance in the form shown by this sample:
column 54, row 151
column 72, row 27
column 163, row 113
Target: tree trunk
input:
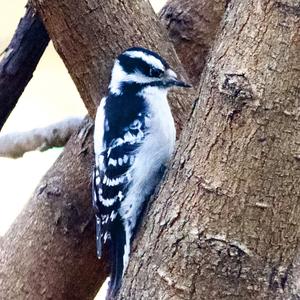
column 192, row 26
column 49, row 252
column 226, row 221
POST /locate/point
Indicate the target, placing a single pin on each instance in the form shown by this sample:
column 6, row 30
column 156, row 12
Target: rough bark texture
column 192, row 26
column 16, row 144
column 19, row 61
column 226, row 222
column 103, row 30
column 49, row 252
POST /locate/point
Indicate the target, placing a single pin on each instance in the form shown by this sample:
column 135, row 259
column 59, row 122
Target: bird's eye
column 156, row 72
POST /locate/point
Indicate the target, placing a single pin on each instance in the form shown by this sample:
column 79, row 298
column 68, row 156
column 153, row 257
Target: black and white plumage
column 134, row 138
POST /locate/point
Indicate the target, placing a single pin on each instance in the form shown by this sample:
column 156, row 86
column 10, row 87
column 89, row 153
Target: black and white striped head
column 142, row 67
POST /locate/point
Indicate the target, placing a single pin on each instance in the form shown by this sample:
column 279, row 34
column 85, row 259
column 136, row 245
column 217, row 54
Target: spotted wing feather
column 112, row 179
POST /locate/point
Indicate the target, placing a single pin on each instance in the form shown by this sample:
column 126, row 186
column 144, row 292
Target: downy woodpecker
column 134, row 138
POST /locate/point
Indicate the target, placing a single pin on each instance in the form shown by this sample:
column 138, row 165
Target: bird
column 134, row 138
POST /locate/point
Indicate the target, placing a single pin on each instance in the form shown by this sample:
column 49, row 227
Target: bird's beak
column 171, row 80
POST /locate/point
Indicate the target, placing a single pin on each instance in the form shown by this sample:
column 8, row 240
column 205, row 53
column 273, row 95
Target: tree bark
column 226, row 221
column 192, row 26
column 49, row 252
column 19, row 61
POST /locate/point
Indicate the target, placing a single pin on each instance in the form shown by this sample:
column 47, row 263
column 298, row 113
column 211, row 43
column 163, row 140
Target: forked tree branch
column 192, row 26
column 50, row 248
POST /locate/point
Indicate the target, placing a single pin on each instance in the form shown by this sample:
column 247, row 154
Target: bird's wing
column 111, row 177
column 111, row 181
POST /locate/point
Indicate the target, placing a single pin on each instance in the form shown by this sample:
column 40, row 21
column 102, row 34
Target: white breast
column 155, row 151
column 161, row 139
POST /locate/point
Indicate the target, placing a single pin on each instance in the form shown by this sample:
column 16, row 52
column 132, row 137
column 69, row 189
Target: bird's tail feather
column 98, row 237
column 119, row 250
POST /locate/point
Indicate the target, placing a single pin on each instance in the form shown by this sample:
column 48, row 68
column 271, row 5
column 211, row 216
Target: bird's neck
column 150, row 91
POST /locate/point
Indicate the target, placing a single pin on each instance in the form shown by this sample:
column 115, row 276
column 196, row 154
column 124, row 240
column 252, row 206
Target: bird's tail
column 98, row 237
column 119, row 250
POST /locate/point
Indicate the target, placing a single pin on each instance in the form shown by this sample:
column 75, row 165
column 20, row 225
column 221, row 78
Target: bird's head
column 142, row 67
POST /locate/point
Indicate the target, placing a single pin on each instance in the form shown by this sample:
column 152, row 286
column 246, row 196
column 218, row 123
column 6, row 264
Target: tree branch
column 19, row 61
column 15, row 144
